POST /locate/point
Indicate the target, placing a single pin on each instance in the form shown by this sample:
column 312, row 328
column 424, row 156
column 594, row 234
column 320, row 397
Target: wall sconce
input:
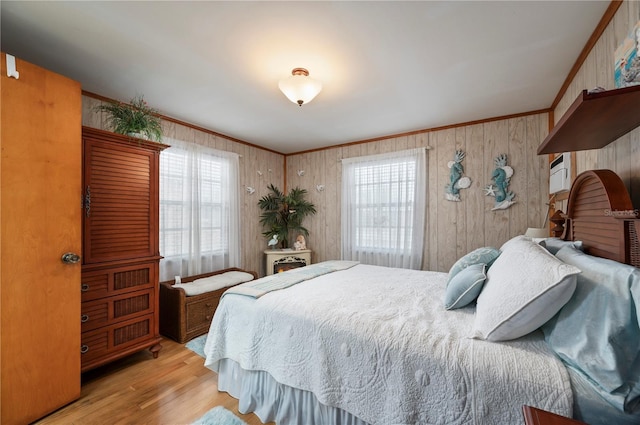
column 299, row 87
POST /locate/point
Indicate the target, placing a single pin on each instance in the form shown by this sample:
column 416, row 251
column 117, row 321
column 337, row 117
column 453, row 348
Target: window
column 199, row 226
column 383, row 208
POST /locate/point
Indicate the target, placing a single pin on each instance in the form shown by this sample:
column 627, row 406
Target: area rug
column 197, row 345
column 219, row 416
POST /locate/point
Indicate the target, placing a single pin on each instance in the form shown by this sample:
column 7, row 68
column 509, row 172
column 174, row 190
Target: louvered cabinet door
column 120, row 201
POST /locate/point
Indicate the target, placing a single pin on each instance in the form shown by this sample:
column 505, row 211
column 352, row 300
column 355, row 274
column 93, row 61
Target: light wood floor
column 173, row 389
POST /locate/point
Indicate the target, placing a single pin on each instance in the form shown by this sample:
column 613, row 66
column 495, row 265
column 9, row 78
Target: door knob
column 70, row 258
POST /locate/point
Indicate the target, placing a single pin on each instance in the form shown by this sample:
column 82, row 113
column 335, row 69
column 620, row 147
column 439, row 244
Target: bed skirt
column 272, row 401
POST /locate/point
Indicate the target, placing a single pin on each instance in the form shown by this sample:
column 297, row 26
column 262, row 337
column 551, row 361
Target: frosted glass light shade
column 299, row 87
column 537, row 232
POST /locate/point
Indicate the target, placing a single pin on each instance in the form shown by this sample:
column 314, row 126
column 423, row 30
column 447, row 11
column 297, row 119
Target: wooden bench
column 183, row 317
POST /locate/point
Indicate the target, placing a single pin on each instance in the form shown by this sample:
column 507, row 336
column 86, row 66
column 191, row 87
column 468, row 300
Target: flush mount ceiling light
column 299, row 87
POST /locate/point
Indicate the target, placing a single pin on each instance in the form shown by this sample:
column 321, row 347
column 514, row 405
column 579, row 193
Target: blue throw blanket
column 259, row 287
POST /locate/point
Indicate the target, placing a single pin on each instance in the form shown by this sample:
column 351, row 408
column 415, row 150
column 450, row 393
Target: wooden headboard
column 601, row 215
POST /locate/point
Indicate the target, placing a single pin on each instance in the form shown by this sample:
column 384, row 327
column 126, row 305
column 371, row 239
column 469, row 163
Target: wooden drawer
column 102, row 344
column 200, row 313
column 105, row 282
column 115, row 309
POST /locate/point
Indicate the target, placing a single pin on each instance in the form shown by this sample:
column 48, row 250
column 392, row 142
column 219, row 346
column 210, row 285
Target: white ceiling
column 387, row 67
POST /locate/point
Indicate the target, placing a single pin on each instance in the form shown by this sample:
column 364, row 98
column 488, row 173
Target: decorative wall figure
column 456, row 180
column 499, row 189
column 250, row 190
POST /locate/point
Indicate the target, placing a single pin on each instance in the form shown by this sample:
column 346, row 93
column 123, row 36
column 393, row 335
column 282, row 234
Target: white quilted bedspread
column 378, row 343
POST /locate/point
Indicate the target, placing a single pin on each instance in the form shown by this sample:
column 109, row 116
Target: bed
column 348, row 343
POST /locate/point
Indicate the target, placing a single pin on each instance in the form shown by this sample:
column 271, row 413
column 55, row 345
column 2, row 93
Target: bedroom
column 449, row 222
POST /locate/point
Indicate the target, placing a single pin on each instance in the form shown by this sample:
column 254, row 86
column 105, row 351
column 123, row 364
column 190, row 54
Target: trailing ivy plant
column 283, row 213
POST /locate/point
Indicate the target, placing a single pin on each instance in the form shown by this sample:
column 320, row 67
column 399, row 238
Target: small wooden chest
column 183, row 317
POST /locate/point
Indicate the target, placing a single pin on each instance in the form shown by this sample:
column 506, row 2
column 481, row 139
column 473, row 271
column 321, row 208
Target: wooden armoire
column 120, row 247
column 40, row 189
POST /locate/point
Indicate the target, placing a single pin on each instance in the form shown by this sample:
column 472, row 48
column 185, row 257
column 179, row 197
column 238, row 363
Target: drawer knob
column 84, row 318
column 84, row 349
column 84, row 287
column 208, row 304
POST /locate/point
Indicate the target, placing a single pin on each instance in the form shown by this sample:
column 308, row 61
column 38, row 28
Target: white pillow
column 212, row 283
column 526, row 286
column 518, row 238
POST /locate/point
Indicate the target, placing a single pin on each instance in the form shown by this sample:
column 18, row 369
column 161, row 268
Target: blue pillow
column 554, row 245
column 486, row 255
column 465, row 286
column 597, row 332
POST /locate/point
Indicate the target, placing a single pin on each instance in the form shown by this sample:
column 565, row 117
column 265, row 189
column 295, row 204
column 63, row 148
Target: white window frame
column 196, row 182
column 383, row 208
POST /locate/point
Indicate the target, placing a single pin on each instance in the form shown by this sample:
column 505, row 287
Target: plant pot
column 137, row 135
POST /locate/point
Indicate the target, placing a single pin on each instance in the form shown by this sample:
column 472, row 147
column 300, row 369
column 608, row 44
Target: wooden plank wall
column 623, row 155
column 252, row 160
column 453, row 228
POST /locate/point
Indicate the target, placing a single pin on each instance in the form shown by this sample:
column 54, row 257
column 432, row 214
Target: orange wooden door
column 40, row 178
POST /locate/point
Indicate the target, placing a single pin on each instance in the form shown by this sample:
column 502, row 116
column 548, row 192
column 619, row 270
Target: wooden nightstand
column 534, row 416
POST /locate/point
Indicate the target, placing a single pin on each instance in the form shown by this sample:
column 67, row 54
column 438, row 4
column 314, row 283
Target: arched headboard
column 601, row 215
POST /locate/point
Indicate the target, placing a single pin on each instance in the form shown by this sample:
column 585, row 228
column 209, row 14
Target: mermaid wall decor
column 499, row 189
column 456, row 179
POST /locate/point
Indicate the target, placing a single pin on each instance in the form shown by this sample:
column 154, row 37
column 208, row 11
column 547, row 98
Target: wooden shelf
column 594, row 120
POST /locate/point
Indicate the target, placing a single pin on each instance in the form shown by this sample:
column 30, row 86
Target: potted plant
column 283, row 214
column 134, row 119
